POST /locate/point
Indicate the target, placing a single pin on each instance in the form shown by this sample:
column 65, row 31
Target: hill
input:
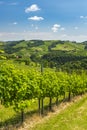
column 52, row 53
column 41, row 47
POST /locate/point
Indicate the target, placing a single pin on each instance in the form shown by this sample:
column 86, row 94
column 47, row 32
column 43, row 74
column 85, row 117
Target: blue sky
column 43, row 19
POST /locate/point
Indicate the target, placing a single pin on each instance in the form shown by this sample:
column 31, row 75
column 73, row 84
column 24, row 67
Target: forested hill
column 52, row 53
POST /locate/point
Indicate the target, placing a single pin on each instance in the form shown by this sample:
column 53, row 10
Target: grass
column 74, row 117
column 9, row 117
column 68, row 46
column 68, row 116
column 6, row 113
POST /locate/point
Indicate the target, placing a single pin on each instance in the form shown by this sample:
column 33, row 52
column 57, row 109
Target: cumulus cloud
column 76, row 28
column 36, row 18
column 83, row 17
column 55, row 27
column 34, row 26
column 32, row 8
column 62, row 29
column 15, row 23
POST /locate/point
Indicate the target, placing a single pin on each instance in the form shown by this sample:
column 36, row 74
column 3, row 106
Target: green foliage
column 53, row 53
column 20, row 85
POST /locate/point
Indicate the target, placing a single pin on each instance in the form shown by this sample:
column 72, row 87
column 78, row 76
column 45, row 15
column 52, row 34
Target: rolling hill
column 52, row 53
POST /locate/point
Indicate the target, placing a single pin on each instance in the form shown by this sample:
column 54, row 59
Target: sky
column 43, row 19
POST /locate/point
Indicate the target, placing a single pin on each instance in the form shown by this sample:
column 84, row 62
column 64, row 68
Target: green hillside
column 68, row 46
column 52, row 53
column 41, row 47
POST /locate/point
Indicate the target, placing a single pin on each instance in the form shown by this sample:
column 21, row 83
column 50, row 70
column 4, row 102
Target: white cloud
column 62, row 29
column 36, row 18
column 24, row 31
column 76, row 28
column 83, row 17
column 32, row 25
column 64, row 35
column 78, row 38
column 28, row 35
column 15, row 23
column 36, row 28
column 32, row 8
column 55, row 27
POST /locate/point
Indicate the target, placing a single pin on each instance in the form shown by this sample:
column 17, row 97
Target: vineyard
column 20, row 86
column 43, row 65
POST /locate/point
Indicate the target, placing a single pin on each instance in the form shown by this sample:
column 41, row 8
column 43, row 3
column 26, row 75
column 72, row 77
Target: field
column 73, row 116
column 67, row 116
column 35, row 82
